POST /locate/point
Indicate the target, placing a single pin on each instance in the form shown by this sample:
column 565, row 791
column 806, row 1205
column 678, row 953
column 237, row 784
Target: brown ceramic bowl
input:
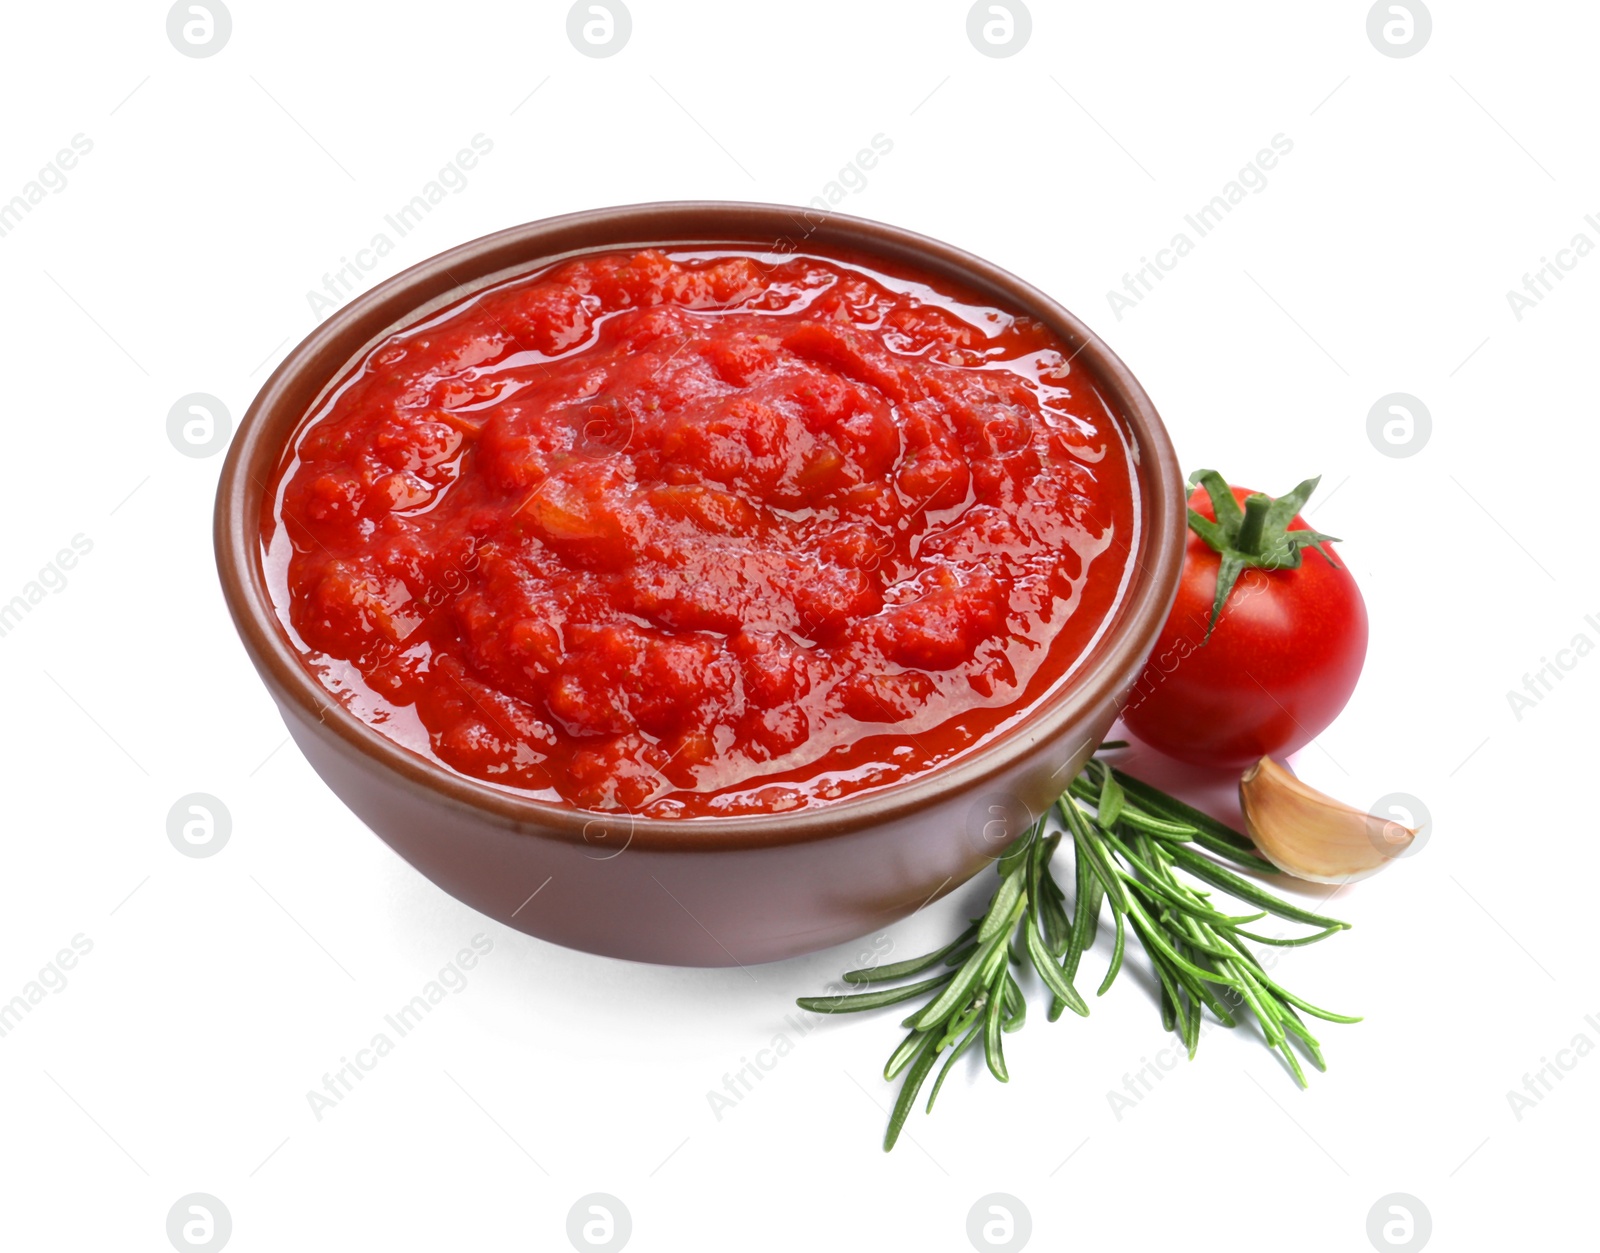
column 701, row 891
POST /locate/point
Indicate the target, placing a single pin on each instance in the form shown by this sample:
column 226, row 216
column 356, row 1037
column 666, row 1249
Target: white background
column 178, row 258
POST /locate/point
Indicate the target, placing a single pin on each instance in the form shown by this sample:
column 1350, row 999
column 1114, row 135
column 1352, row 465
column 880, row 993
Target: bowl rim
column 1110, row 667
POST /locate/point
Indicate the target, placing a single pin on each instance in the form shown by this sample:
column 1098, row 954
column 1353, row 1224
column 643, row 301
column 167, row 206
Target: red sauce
column 703, row 532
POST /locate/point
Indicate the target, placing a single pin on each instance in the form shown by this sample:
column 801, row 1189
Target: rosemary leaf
column 912, row 965
column 993, row 1050
column 967, row 1042
column 858, row 1001
column 1053, row 977
column 909, row 1087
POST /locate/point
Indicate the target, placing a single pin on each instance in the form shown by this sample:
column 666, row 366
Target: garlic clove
column 1309, row 835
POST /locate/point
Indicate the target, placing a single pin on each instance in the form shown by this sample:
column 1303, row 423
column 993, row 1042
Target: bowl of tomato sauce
column 700, row 583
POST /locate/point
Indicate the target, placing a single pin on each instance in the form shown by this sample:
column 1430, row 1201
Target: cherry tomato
column 1281, row 660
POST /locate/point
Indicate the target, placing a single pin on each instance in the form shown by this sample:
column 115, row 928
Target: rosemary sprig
column 1129, row 842
column 977, row 997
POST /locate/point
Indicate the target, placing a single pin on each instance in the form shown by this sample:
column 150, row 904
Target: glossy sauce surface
column 702, row 532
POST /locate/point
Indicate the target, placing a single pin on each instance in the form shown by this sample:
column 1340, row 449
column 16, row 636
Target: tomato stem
column 1253, row 528
column 1256, row 537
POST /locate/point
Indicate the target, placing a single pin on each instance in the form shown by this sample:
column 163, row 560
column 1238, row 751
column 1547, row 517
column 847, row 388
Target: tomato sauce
column 704, row 531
